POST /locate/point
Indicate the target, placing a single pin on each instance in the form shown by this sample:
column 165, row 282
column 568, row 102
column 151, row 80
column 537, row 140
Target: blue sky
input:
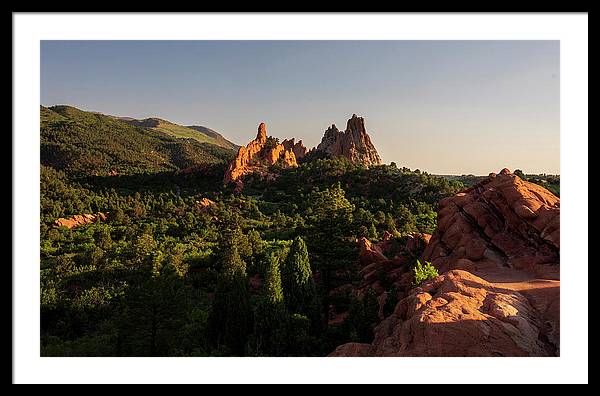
column 446, row 107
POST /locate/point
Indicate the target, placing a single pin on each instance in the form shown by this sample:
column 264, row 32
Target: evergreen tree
column 330, row 220
column 153, row 315
column 373, row 232
column 298, row 283
column 363, row 317
column 270, row 318
column 229, row 321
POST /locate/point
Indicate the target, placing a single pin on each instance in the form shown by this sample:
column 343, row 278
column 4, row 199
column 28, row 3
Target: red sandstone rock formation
column 460, row 314
column 501, row 222
column 205, row 203
column 298, row 148
column 79, row 220
column 354, row 143
column 498, row 246
column 255, row 283
column 376, row 264
column 378, row 268
column 257, row 156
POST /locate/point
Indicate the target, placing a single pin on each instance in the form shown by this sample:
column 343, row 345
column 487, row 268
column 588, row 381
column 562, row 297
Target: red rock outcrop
column 298, row 148
column 79, row 220
column 460, row 314
column 375, row 262
column 354, row 143
column 379, row 270
column 205, row 203
column 257, row 156
column 498, row 244
column 503, row 221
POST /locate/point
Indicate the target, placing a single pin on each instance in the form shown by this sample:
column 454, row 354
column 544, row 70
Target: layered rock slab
column 503, row 221
column 459, row 314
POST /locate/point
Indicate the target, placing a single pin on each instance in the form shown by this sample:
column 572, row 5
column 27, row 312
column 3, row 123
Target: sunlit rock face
column 501, row 222
column 461, row 314
column 79, row 220
column 354, row 143
column 257, row 156
column 298, row 148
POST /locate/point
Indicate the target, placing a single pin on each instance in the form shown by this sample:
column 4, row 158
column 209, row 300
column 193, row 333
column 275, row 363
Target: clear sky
column 446, row 107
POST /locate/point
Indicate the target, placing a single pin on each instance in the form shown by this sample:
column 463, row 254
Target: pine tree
column 373, row 232
column 270, row 318
column 364, row 317
column 229, row 321
column 298, row 283
column 154, row 311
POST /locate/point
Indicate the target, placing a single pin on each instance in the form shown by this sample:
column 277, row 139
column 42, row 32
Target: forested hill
column 199, row 133
column 85, row 143
column 177, row 264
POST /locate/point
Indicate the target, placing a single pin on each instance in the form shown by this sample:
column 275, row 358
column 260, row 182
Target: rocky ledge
column 497, row 248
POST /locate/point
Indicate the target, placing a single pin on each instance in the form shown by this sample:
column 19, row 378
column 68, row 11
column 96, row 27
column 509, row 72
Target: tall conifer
column 230, row 320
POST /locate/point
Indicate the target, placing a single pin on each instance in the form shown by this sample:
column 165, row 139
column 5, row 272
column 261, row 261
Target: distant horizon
column 446, row 108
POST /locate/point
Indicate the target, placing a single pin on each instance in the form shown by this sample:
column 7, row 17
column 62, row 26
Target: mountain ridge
column 88, row 143
column 207, row 135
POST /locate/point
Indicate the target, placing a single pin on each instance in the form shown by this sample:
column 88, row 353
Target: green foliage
column 84, row 143
column 272, row 142
column 230, row 316
column 153, row 313
column 164, row 276
column 363, row 317
column 201, row 134
column 520, row 173
column 270, row 316
column 423, row 272
column 299, row 286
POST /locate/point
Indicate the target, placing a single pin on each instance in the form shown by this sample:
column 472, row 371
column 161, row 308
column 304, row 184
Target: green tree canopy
column 229, row 321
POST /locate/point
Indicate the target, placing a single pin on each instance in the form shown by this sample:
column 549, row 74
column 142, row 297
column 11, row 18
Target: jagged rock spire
column 261, row 137
column 354, row 143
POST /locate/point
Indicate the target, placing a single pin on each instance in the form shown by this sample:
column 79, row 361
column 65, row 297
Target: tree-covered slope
column 164, row 259
column 184, row 266
column 84, row 143
column 199, row 133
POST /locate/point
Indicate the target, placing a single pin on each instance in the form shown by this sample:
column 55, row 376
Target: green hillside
column 84, row 143
column 199, row 133
column 220, row 140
